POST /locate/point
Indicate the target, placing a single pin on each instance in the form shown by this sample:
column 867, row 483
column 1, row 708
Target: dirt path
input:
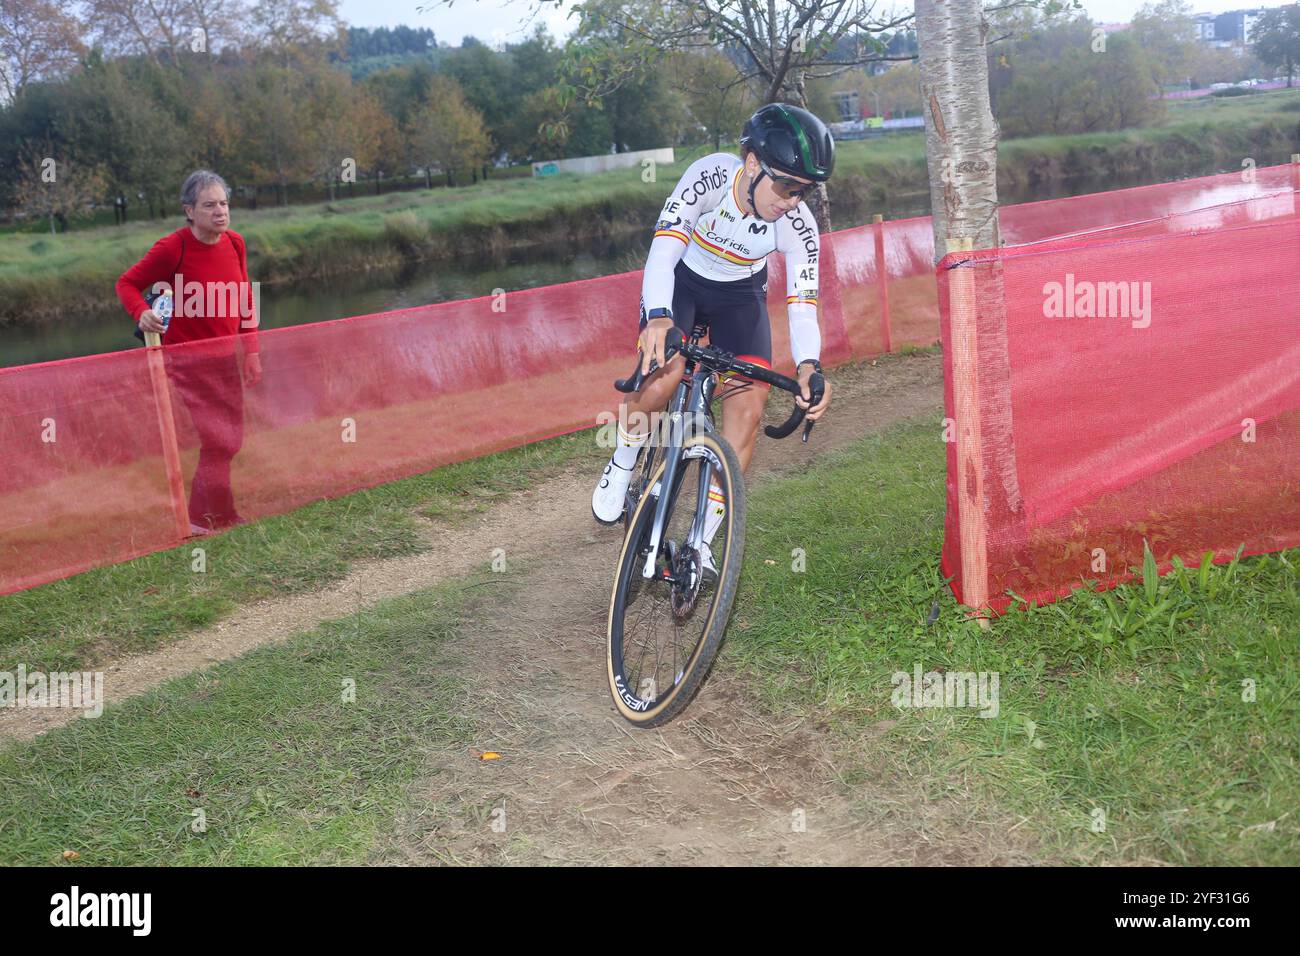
column 724, row 784
column 721, row 785
column 526, row 525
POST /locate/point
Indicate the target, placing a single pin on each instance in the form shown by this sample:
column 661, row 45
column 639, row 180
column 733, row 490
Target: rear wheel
column 665, row 631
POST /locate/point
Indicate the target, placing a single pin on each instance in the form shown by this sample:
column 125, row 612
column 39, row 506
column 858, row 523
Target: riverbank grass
column 44, row 276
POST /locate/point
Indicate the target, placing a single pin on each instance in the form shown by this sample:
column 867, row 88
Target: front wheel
column 664, row 631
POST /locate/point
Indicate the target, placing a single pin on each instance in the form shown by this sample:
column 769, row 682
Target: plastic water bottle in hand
column 163, row 306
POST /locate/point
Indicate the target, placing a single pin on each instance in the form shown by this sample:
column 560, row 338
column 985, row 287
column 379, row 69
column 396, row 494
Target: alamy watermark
column 1084, row 299
column 214, row 300
column 75, row 690
column 657, row 425
column 75, row 908
column 977, row 690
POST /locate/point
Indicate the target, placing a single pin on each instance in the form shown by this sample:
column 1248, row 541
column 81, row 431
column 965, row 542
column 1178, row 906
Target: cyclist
column 708, row 265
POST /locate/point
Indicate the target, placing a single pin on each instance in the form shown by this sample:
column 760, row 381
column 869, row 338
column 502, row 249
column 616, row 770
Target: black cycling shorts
column 735, row 313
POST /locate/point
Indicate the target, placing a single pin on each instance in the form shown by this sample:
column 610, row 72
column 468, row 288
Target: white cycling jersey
column 702, row 225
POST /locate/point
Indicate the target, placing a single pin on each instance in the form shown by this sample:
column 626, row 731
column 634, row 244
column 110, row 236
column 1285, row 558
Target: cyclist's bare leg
column 742, row 413
column 641, row 409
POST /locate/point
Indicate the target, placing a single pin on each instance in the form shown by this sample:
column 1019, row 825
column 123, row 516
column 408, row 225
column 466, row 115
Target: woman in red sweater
column 206, row 265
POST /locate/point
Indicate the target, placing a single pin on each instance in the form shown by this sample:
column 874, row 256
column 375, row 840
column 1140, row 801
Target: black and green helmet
column 791, row 140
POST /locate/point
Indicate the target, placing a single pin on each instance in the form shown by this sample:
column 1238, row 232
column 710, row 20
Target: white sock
column 629, row 446
column 716, row 512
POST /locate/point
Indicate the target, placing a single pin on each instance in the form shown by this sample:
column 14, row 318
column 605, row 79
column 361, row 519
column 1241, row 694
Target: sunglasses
column 786, row 187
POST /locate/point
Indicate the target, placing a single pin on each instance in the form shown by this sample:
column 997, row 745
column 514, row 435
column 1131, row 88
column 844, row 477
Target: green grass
column 41, row 275
column 283, row 768
column 361, row 193
column 1191, row 136
column 1153, row 730
column 144, row 604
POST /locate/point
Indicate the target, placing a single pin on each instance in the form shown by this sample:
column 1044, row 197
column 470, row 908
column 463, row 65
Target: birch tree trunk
column 961, row 136
column 961, row 151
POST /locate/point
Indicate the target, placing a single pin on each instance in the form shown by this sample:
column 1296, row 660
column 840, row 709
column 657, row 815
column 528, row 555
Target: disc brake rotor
column 685, row 565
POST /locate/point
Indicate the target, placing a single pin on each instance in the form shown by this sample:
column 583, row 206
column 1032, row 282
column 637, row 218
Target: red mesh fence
column 341, row 405
column 1229, row 199
column 1110, row 392
column 1078, row 215
column 344, row 405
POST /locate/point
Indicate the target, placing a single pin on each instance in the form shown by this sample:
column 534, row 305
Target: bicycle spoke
column 665, row 621
column 665, row 630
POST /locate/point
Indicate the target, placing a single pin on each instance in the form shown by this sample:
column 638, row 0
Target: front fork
column 700, row 396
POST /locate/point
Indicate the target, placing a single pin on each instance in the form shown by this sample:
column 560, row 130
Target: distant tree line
column 125, row 99
column 97, row 113
column 1065, row 74
column 384, row 41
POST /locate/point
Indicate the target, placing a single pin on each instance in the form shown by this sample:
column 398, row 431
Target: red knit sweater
column 215, row 297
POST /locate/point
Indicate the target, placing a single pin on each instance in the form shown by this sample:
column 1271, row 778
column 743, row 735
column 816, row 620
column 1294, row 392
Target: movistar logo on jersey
column 756, row 229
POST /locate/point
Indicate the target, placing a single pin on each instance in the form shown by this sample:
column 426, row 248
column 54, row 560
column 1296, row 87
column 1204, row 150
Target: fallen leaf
column 71, row 855
column 191, row 792
column 151, row 589
column 489, row 755
column 1030, row 727
column 768, row 561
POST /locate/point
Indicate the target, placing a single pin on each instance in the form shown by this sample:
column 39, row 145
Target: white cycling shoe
column 610, row 496
column 710, row 570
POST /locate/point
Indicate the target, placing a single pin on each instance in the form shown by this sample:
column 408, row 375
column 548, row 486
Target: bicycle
column 660, row 575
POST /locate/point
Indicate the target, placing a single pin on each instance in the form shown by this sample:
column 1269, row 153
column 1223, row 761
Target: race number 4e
column 805, row 279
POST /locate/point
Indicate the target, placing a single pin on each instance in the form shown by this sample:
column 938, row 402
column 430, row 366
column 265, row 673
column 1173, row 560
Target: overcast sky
column 490, row 20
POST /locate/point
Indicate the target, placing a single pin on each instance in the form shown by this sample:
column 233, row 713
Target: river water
column 110, row 330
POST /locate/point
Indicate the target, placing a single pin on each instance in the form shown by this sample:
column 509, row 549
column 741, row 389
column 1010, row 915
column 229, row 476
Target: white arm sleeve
column 701, row 187
column 799, row 241
column 805, row 333
column 658, row 280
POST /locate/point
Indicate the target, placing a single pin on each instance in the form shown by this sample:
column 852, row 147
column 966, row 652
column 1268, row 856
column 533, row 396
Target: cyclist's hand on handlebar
column 652, row 343
column 806, row 372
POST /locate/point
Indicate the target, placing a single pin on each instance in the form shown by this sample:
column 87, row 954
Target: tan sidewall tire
column 701, row 660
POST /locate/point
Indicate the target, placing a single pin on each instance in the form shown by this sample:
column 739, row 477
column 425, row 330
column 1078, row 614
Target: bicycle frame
column 685, row 429
column 690, row 404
